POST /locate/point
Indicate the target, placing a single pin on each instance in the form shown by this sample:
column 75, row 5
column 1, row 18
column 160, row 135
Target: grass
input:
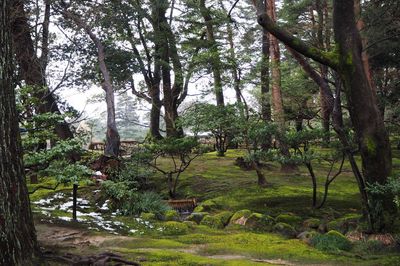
column 217, row 178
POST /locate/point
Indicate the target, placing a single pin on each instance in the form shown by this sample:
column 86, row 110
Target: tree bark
column 18, row 236
column 112, row 135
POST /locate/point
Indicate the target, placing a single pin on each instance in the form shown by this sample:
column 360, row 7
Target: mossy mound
column 171, row 215
column 190, row 224
column 289, row 218
column 224, row 217
column 344, row 224
column 206, row 206
column 312, row 223
column 332, row 241
column 212, row 221
column 174, row 228
column 260, row 222
column 148, row 216
column 285, row 229
column 196, row 217
column 307, row 236
column 240, row 217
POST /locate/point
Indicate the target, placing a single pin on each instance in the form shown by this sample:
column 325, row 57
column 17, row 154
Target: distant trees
column 18, row 237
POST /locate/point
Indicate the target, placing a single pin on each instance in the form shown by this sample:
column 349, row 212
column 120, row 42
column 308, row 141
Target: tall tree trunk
column 277, row 102
column 112, row 135
column 326, row 107
column 365, row 116
column 32, row 68
column 18, row 236
column 235, row 66
column 216, row 60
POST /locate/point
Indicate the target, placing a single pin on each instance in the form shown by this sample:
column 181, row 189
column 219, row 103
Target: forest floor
column 216, row 180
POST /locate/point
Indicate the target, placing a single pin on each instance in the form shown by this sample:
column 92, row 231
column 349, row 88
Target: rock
column 196, row 217
column 212, row 221
column 174, row 228
column 384, row 239
column 285, row 229
column 289, row 218
column 240, row 217
column 307, row 236
column 260, row 222
column 171, row 215
column 312, row 223
column 224, row 217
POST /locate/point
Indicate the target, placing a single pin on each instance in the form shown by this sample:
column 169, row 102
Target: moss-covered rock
column 171, row 215
column 240, row 217
column 196, row 217
column 344, row 224
column 285, row 229
column 224, row 217
column 174, row 228
column 260, row 222
column 212, row 221
column 289, row 218
column 331, row 241
column 190, row 224
column 206, row 206
column 307, row 236
column 312, row 223
column 148, row 216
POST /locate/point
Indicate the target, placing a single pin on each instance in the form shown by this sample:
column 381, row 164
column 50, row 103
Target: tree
column 371, row 134
column 112, row 135
column 32, row 67
column 17, row 233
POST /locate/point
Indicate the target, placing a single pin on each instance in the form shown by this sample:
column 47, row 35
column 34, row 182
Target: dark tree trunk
column 74, row 200
column 370, row 130
column 32, row 68
column 18, row 236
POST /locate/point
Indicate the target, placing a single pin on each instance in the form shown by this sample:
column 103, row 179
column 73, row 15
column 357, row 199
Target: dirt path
column 67, row 238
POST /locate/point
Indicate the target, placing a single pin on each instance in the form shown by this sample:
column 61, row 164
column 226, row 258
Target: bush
column 171, row 215
column 331, row 241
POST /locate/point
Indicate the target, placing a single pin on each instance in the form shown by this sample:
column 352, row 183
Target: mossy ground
column 232, row 189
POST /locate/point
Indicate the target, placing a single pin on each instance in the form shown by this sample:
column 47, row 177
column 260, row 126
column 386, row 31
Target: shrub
column 331, row 241
column 171, row 215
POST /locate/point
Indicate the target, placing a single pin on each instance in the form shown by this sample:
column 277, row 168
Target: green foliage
column 171, row 215
column 333, row 241
column 221, row 121
column 212, row 221
column 392, row 188
column 291, row 219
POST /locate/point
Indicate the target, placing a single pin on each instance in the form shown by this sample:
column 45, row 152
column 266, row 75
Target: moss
column 148, row 216
column 224, row 217
column 371, row 145
column 285, row 229
column 174, row 228
column 289, row 218
column 260, row 222
column 196, row 216
column 208, row 205
column 171, row 215
column 332, row 241
column 312, row 223
column 344, row 224
column 212, row 221
column 239, row 214
column 307, row 236
column 190, row 224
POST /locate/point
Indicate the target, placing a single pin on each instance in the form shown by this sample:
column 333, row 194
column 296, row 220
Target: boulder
column 259, row 222
column 312, row 223
column 240, row 217
column 196, row 217
column 289, row 218
column 212, row 221
column 285, row 229
column 307, row 236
